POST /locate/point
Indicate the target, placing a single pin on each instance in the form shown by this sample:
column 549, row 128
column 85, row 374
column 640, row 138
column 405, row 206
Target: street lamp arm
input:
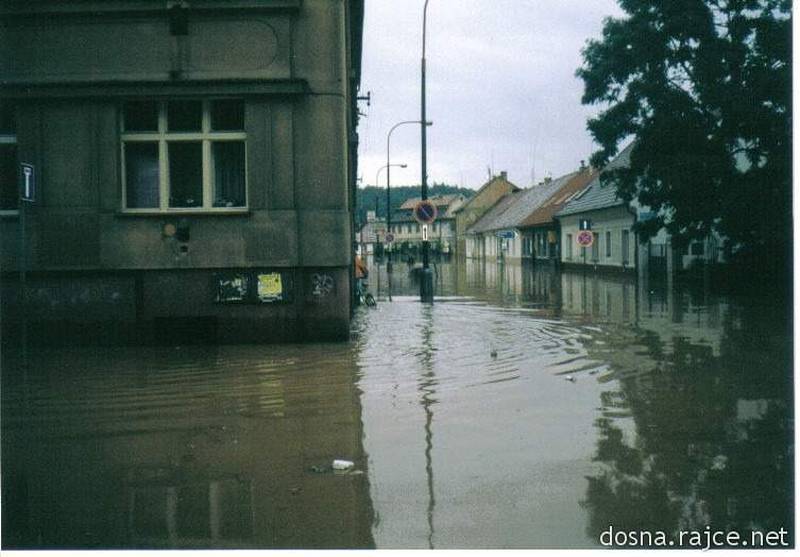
column 397, row 165
column 389, row 165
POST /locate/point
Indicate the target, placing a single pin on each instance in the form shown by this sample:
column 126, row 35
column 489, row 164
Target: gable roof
column 486, row 222
column 439, row 201
column 575, row 184
column 522, row 204
column 596, row 195
column 495, row 179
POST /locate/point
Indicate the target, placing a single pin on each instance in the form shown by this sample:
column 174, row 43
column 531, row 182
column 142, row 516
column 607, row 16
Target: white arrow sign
column 28, row 182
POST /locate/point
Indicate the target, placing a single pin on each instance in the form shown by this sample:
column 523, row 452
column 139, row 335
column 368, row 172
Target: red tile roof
column 544, row 214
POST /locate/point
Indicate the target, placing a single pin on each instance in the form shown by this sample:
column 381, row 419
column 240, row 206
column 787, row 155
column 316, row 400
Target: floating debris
column 342, row 464
column 338, row 467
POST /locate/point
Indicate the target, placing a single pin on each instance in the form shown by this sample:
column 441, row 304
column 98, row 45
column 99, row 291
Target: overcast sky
column 502, row 90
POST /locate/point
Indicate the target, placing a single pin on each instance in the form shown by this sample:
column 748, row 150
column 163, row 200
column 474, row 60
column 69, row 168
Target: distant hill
column 367, row 197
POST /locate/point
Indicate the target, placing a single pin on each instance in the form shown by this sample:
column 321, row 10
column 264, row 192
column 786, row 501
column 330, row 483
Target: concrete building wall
column 69, row 69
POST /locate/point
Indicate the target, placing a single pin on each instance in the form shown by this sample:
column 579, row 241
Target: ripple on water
column 127, row 388
column 470, row 345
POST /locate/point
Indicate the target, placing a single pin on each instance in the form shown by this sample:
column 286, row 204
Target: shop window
column 9, row 187
column 184, row 154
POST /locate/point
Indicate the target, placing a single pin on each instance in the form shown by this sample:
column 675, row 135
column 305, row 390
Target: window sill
column 9, row 214
column 185, row 213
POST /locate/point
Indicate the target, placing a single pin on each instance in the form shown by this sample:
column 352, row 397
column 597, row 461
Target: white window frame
column 205, row 136
column 11, row 139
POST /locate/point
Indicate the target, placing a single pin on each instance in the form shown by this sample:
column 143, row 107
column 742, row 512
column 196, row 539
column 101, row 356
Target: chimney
column 504, row 175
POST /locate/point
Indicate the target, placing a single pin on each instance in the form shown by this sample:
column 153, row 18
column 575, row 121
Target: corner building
column 194, row 166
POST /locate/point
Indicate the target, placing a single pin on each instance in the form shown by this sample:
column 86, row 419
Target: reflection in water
column 691, row 411
column 712, row 418
column 185, row 447
column 427, row 388
column 564, row 403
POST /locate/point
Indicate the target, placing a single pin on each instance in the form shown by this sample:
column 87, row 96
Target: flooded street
column 525, row 408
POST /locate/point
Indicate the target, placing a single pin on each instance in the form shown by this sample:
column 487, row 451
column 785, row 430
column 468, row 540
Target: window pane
column 186, row 174
column 184, row 116
column 227, row 114
column 229, row 175
column 9, row 199
column 141, row 175
column 7, row 122
column 141, row 116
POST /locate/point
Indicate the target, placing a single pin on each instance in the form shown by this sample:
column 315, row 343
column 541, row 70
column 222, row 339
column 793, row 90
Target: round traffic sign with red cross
column 585, row 238
column 425, row 212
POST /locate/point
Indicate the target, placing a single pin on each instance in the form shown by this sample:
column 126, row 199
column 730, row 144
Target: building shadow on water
column 227, row 447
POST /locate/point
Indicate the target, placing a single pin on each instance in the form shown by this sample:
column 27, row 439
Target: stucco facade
column 614, row 241
column 483, row 200
column 192, row 162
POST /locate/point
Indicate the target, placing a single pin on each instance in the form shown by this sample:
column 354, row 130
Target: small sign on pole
column 424, row 232
column 425, row 212
column 27, row 182
column 585, row 238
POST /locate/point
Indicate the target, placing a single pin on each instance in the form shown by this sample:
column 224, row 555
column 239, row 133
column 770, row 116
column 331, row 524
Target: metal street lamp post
column 388, row 168
column 426, row 279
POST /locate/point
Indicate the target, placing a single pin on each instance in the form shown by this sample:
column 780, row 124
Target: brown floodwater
column 525, row 408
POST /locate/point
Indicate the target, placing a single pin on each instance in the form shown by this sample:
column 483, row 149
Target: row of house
column 542, row 224
column 406, row 230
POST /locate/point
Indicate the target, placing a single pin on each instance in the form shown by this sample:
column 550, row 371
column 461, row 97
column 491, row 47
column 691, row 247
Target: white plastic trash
column 342, row 464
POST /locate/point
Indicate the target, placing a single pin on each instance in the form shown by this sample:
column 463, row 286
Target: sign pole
column 23, row 280
column 26, row 194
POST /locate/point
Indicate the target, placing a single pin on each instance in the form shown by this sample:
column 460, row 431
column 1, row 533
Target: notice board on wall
column 252, row 287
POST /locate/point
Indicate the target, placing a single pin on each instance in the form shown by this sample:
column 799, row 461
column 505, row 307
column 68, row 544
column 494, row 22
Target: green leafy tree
column 704, row 89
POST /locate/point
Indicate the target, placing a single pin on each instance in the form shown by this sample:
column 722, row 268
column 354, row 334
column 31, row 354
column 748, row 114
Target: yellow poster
column 270, row 287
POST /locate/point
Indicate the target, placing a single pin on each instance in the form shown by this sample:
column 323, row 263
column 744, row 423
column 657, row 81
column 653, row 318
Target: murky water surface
column 524, row 409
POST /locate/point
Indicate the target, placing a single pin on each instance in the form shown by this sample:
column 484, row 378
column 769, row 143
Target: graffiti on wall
column 322, row 284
